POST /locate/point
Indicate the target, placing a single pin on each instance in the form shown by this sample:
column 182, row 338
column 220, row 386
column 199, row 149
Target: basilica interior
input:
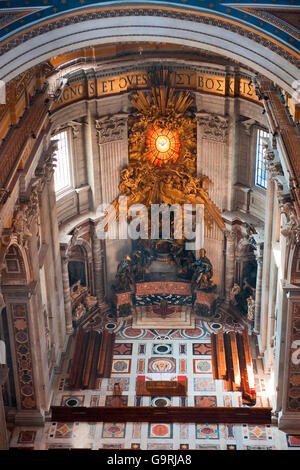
column 168, row 330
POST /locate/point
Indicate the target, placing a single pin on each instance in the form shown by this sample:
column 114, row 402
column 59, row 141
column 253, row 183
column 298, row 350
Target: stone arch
column 250, row 47
column 15, row 265
column 293, row 266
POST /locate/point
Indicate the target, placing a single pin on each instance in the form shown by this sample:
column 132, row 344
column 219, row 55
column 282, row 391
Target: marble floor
column 162, row 354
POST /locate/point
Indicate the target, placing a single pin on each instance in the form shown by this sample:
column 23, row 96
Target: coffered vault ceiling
column 262, row 35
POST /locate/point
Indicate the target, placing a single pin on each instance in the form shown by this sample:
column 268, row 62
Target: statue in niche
column 248, row 286
column 202, row 277
column 20, row 226
column 233, row 293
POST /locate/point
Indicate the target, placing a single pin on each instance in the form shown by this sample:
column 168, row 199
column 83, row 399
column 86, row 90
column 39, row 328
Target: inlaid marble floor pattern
column 157, row 355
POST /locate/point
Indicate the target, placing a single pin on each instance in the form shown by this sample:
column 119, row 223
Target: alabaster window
column 62, row 173
column 260, row 170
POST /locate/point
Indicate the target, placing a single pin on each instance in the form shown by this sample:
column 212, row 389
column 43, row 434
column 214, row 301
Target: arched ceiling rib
column 30, row 35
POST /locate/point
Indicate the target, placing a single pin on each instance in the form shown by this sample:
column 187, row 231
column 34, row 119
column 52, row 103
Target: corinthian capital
column 111, row 128
column 231, row 235
column 214, row 127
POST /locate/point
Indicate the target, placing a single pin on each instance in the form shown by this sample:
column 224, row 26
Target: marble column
column 230, row 262
column 67, row 295
column 98, row 268
column 3, row 429
column 258, row 289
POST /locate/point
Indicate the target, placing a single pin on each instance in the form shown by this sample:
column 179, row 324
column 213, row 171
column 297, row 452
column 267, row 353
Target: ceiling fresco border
column 227, row 17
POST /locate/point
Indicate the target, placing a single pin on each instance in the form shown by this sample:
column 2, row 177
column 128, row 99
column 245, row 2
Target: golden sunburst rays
column 163, row 151
column 163, row 99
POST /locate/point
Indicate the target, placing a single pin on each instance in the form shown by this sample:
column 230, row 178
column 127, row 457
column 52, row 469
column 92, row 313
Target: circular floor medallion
column 216, row 326
column 72, row 402
column 162, row 349
column 161, row 401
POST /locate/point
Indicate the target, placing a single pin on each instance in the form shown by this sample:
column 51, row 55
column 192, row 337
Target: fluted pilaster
column 230, row 262
column 113, row 146
column 98, row 268
column 258, row 289
column 67, row 295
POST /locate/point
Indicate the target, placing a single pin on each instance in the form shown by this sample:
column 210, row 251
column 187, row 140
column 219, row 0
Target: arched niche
column 77, row 266
column 15, row 267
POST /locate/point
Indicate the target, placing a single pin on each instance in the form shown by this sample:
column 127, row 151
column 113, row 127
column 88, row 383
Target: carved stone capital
column 231, row 235
column 214, row 127
column 46, row 165
column 259, row 251
column 111, row 128
column 275, row 169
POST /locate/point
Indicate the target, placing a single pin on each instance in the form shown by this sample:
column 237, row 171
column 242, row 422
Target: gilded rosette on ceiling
column 163, row 150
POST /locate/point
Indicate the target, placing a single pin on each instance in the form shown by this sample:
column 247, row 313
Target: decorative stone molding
column 248, row 125
column 111, row 128
column 46, row 165
column 214, row 127
column 73, row 125
column 56, row 23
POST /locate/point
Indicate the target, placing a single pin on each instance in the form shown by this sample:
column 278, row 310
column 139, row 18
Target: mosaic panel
column 255, row 432
column 23, row 356
column 160, row 430
column 161, row 365
column 120, row 400
column 94, row 400
column 26, row 437
column 72, row 400
column 64, row 430
column 202, row 366
column 140, row 366
column 121, row 366
column 201, row 349
column 204, row 384
column 293, row 401
column 162, row 348
column 159, row 446
column 122, row 349
column 207, row 401
column 113, row 430
column 207, row 431
column 293, row 440
column 123, row 381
